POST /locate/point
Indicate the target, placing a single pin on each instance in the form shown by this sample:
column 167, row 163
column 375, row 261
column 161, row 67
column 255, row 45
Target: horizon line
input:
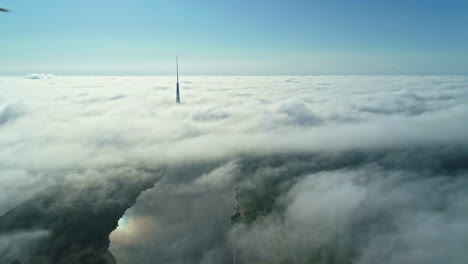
column 224, row 75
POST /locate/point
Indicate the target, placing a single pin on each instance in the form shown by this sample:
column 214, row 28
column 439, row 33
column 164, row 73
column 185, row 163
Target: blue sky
column 234, row 37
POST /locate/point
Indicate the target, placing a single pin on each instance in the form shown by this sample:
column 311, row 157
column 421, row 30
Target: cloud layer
column 39, row 76
column 327, row 168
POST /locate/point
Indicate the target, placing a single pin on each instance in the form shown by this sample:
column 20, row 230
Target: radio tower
column 177, row 86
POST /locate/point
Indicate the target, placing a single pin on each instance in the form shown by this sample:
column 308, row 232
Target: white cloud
column 38, row 76
column 357, row 137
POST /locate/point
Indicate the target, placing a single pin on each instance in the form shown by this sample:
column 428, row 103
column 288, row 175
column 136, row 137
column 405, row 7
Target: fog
column 319, row 169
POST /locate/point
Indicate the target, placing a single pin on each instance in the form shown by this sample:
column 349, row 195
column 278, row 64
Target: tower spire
column 177, row 85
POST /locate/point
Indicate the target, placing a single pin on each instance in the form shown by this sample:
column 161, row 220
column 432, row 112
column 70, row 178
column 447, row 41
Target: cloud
column 367, row 215
column 11, row 112
column 335, row 169
column 22, row 243
column 210, row 115
column 39, row 76
column 296, row 112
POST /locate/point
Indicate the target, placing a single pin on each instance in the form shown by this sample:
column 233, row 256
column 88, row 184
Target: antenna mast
column 177, row 85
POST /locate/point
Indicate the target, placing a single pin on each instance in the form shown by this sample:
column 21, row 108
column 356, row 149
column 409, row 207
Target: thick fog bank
column 286, row 169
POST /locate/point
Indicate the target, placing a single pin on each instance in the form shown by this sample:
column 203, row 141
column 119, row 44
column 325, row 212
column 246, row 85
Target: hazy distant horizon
column 187, row 70
column 226, row 75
